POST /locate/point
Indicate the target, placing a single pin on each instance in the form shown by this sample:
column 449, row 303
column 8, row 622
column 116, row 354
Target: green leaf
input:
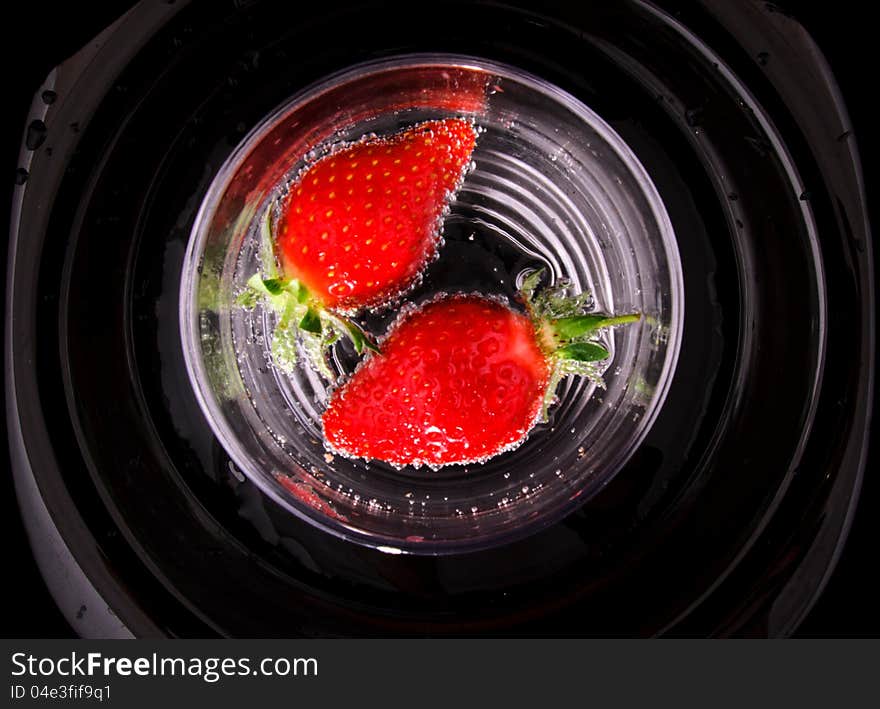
column 575, row 326
column 255, row 283
column 277, row 292
column 311, row 322
column 530, row 284
column 583, row 352
column 275, row 286
column 359, row 338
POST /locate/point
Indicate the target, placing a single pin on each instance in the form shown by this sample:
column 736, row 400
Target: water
column 509, row 218
column 550, row 187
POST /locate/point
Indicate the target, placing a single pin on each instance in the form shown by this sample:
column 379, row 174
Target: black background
column 38, row 35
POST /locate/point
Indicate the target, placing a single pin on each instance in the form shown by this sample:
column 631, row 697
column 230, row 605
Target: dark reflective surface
column 723, row 468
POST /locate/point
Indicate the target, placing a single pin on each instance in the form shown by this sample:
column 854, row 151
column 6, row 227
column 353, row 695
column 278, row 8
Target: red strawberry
column 463, row 379
column 359, row 226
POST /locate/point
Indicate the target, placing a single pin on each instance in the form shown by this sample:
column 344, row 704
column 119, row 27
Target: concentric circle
column 552, row 186
column 729, row 515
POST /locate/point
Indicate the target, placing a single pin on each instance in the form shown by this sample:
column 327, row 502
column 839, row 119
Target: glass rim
column 188, row 310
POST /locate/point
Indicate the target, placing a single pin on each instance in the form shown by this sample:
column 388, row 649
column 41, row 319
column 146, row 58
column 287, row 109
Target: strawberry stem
column 301, row 319
column 567, row 334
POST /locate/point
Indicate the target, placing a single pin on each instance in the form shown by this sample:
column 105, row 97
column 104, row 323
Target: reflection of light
column 390, row 550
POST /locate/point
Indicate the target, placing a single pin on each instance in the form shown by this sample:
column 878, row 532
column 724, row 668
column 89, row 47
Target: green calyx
column 302, row 320
column 567, row 334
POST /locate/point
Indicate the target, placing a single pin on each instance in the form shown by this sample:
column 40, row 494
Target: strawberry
column 464, row 378
column 359, row 225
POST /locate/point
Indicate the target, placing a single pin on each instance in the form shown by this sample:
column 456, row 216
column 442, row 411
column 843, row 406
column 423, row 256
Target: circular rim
column 189, row 311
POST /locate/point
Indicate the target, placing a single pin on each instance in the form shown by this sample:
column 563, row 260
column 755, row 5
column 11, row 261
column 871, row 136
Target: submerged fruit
column 458, row 380
column 463, row 379
column 359, row 225
column 357, row 228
